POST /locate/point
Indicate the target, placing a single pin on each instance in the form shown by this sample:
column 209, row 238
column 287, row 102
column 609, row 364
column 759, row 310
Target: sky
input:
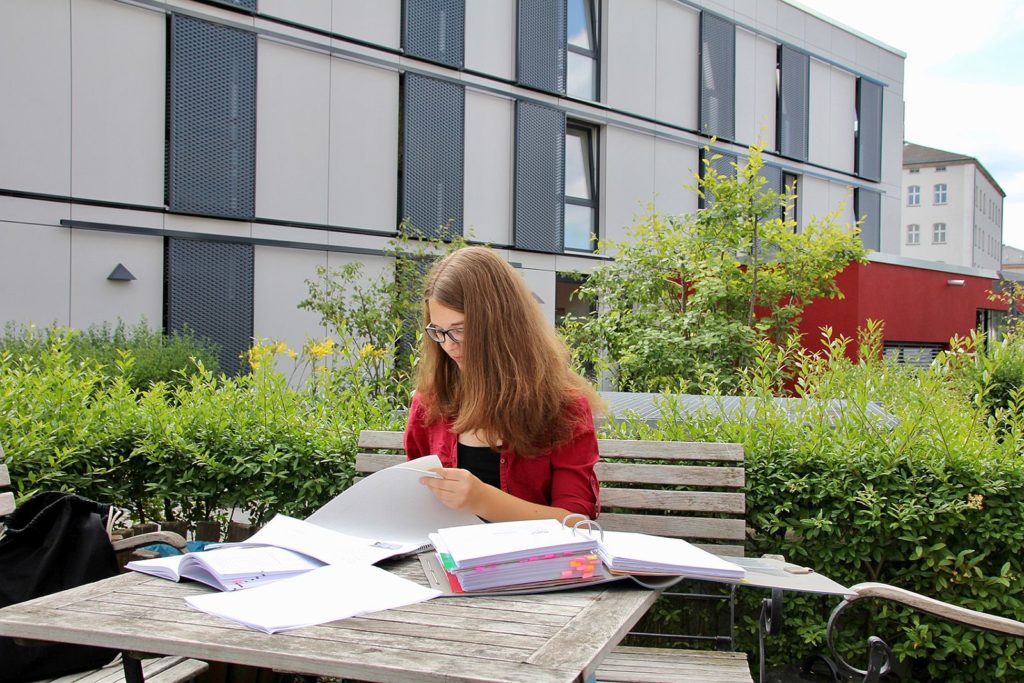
column 963, row 80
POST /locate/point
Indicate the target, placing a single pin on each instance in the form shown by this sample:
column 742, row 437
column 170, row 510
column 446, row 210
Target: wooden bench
column 155, row 669
column 668, row 488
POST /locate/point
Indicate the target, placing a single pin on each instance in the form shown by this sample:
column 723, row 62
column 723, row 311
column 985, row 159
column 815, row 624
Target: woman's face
column 447, row 319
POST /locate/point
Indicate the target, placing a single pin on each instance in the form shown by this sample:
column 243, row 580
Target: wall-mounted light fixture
column 120, row 274
column 955, row 283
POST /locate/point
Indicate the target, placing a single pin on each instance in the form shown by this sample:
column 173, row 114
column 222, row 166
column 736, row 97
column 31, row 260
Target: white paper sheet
column 392, row 505
column 332, row 547
column 316, row 597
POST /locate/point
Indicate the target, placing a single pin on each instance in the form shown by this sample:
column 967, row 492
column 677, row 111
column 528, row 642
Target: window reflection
column 580, row 184
column 581, row 47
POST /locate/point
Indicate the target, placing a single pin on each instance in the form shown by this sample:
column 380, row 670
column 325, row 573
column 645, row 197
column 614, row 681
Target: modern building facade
column 194, row 162
column 952, row 209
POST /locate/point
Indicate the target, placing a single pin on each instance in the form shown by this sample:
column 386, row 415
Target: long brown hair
column 515, row 385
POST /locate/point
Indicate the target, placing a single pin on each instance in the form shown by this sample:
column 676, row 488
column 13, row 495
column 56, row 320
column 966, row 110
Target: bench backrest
column 668, row 488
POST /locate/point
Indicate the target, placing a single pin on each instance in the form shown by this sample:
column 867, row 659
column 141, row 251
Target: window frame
column 914, row 234
column 913, row 195
column 591, row 10
column 590, row 137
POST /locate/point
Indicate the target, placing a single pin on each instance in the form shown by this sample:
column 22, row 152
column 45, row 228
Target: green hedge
column 933, row 504
column 190, row 451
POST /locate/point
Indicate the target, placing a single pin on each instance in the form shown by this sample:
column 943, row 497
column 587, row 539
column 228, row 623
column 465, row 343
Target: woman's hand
column 457, row 489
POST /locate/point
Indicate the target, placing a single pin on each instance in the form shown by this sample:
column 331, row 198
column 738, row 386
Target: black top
column 482, row 461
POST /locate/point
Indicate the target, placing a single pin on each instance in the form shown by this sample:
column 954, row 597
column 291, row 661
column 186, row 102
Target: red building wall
column 916, row 304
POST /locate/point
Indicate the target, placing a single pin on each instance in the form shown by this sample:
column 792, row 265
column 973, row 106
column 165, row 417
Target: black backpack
column 53, row 541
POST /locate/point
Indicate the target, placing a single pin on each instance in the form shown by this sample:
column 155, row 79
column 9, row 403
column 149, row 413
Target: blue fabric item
column 166, row 550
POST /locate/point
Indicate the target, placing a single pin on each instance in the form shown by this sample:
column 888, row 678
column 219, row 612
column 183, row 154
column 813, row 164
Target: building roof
column 919, row 155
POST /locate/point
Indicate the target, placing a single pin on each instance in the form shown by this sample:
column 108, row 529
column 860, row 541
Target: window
column 581, row 46
column 580, row 189
column 913, row 234
column 940, row 193
column 914, row 195
column 939, row 233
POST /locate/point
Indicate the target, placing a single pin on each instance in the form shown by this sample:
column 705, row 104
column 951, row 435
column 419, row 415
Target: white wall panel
column 629, row 55
column 842, row 114
column 819, row 111
column 677, row 89
column 364, row 146
column 35, row 118
column 491, row 37
column 293, row 133
column 628, row 185
column 487, row 195
column 813, row 199
column 756, row 96
column 34, row 273
column 95, row 299
column 314, row 13
column 378, row 22
column 674, row 166
column 117, row 132
column 279, row 284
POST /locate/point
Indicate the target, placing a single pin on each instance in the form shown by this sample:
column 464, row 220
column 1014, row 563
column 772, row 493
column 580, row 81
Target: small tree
column 688, row 297
column 376, row 320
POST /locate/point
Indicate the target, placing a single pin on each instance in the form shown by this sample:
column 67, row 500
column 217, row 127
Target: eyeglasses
column 437, row 334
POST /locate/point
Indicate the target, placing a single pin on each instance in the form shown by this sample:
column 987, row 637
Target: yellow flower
column 320, row 349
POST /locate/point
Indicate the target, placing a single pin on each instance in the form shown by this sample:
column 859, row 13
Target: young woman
column 496, row 401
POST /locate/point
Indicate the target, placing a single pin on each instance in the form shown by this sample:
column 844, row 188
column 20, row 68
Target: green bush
column 155, row 357
column 191, row 451
column 932, row 504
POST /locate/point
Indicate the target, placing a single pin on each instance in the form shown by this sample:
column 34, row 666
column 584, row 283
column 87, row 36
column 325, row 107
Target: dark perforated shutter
column 208, row 289
column 794, row 76
column 244, row 4
column 868, row 205
column 722, row 165
column 436, row 30
column 540, row 60
column 432, row 154
column 717, row 76
column 540, row 177
column 869, row 129
column 211, row 156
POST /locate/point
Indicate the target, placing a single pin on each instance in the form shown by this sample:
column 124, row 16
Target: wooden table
column 558, row 636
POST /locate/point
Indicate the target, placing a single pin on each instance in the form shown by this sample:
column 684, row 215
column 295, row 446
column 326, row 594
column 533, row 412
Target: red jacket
column 563, row 477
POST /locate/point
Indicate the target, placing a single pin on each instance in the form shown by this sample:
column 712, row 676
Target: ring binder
column 584, row 523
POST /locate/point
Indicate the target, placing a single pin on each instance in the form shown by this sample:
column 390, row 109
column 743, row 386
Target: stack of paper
column 632, row 553
column 478, row 544
column 535, row 553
